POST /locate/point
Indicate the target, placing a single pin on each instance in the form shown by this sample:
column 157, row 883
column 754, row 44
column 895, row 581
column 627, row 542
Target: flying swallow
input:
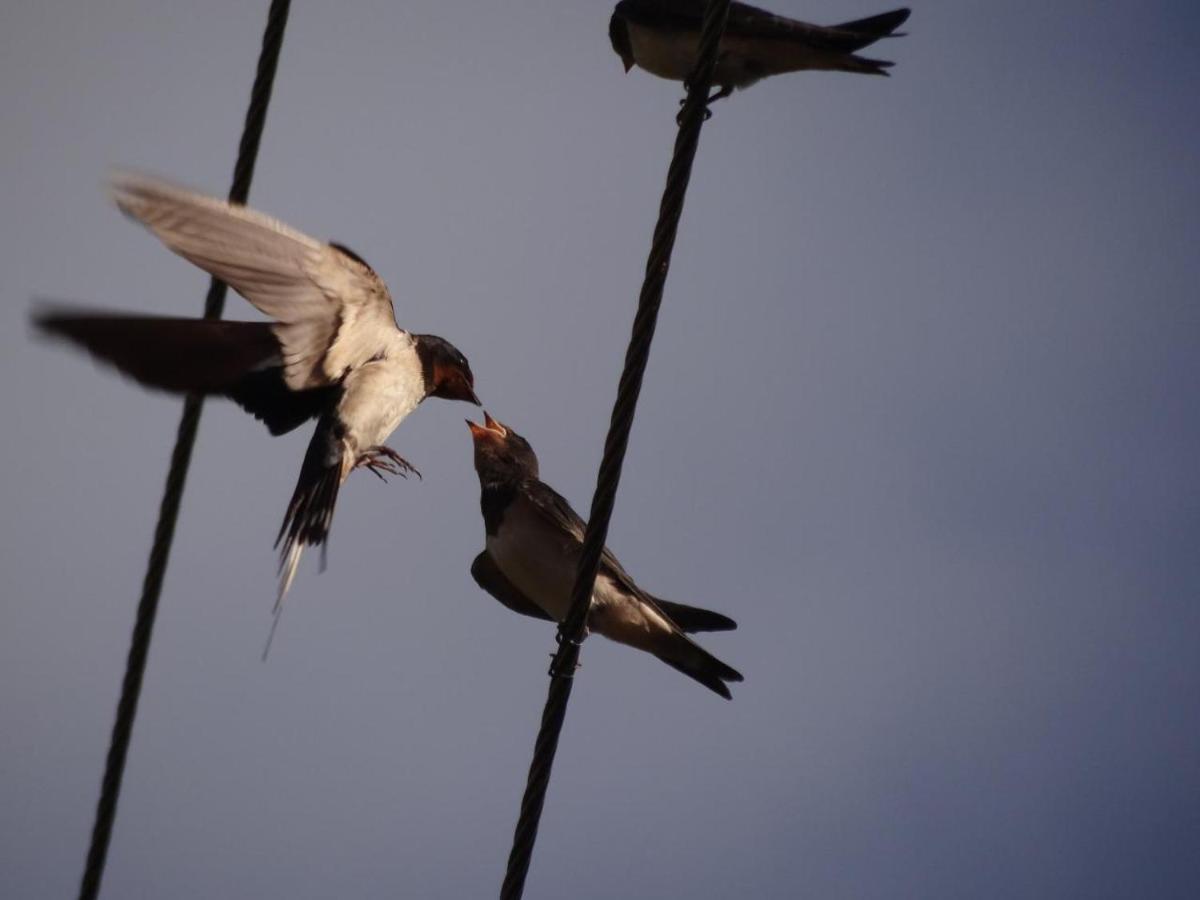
column 333, row 351
column 534, row 539
column 663, row 37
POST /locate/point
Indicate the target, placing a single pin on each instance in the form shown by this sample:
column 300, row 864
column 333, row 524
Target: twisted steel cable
column 168, row 514
column 572, row 631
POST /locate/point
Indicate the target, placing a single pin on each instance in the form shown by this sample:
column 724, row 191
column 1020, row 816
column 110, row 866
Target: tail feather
column 867, row 31
column 692, row 618
column 695, row 662
column 310, row 513
column 866, row 66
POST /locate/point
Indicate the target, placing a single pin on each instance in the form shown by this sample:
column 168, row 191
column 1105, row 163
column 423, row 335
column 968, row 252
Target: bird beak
column 628, row 64
column 490, row 429
column 471, row 396
column 493, row 425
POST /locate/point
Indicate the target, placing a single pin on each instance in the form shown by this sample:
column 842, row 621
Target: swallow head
column 447, row 372
column 618, row 34
column 501, row 455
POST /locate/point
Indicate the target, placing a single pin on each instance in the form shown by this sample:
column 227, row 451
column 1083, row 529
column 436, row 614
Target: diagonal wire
column 168, row 514
column 572, row 631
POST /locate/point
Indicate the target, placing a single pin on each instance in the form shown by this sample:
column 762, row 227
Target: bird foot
column 708, row 113
column 707, row 116
column 720, row 94
column 383, row 459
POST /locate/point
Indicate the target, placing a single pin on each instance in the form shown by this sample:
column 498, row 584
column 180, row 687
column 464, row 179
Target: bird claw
column 383, row 459
column 718, row 94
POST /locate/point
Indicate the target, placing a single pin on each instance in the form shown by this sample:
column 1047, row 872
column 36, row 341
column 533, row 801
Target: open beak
column 493, row 425
column 489, row 429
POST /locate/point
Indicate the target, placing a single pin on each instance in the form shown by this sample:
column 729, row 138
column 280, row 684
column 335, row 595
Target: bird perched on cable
column 333, row 351
column 534, row 539
column 663, row 37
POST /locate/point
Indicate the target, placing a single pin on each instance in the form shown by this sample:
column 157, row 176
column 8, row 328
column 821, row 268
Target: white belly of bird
column 378, row 396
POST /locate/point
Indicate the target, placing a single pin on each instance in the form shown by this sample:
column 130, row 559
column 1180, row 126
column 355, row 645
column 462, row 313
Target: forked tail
column 692, row 660
column 310, row 513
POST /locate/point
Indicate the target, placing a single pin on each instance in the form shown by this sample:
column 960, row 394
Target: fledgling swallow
column 663, row 37
column 333, row 351
column 534, row 539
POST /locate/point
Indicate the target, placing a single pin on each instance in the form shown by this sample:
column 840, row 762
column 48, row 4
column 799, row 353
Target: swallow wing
column 750, row 22
column 332, row 312
column 552, row 506
column 205, row 356
column 489, row 577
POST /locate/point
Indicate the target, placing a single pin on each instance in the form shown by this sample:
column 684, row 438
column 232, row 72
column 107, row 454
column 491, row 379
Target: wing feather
column 554, row 507
column 332, row 312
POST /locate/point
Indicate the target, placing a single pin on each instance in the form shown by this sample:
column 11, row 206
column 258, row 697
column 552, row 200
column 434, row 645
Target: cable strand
column 181, row 455
column 573, row 629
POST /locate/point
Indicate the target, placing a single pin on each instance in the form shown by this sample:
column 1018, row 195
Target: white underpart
column 378, row 396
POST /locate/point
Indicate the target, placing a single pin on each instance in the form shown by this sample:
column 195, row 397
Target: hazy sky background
column 921, row 415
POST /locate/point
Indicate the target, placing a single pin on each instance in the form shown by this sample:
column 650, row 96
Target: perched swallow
column 534, row 539
column 663, row 37
column 333, row 351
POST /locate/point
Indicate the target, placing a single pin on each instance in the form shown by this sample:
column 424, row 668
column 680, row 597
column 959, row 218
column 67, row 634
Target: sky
column 920, row 415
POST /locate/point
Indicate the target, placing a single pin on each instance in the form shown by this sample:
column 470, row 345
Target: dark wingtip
column 54, row 318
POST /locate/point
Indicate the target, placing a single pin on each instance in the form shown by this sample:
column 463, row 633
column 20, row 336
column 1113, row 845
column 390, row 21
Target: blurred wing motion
column 239, row 360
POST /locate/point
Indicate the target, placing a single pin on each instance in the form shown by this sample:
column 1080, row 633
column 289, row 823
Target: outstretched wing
column 332, row 312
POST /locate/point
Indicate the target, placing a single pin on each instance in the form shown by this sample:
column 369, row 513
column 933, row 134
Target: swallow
column 332, row 352
column 663, row 37
column 534, row 539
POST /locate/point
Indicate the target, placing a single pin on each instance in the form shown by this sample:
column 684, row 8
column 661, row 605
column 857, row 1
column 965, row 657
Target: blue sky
column 921, row 415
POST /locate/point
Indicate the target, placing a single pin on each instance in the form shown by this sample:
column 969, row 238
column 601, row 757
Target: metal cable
column 572, row 631
column 168, row 514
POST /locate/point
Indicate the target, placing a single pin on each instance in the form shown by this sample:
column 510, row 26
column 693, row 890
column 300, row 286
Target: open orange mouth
column 489, row 429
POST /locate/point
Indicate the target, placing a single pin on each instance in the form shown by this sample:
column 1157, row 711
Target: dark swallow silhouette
column 663, row 37
column 333, row 351
column 534, row 539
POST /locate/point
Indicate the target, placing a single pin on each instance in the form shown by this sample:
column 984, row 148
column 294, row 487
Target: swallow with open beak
column 333, row 351
column 663, row 37
column 534, row 539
